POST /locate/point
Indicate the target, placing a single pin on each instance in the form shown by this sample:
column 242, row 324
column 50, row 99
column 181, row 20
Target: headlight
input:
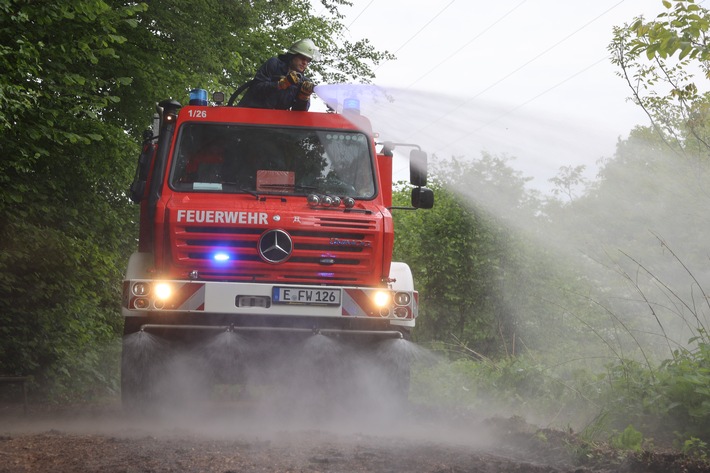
column 162, row 291
column 141, row 289
column 141, row 303
column 382, row 298
column 402, row 298
column 401, row 312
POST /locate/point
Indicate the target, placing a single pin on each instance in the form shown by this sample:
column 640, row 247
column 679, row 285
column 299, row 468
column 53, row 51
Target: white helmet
column 305, row 47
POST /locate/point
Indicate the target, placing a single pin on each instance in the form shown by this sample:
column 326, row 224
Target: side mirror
column 137, row 191
column 145, row 160
column 422, row 198
column 417, row 168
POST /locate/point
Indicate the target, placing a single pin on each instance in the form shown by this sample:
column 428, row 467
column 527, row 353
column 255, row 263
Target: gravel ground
column 243, row 437
column 295, row 416
column 246, row 437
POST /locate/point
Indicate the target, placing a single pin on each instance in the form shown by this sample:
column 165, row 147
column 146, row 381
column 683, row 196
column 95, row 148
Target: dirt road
column 246, row 437
column 286, row 452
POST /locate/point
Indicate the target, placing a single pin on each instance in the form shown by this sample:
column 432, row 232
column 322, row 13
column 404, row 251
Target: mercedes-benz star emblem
column 275, row 246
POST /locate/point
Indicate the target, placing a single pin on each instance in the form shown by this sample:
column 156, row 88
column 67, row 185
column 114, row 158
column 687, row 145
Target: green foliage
column 568, row 181
column 657, row 59
column 173, row 46
column 454, row 252
column 629, row 439
column 473, row 384
column 662, row 302
column 631, row 298
column 673, row 397
column 646, row 219
column 695, row 448
column 459, row 252
column 679, row 30
column 684, row 390
column 512, row 386
column 66, row 226
column 447, row 265
column 492, row 273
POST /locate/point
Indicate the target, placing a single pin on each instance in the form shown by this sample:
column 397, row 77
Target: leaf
column 117, row 38
column 651, row 51
column 686, row 49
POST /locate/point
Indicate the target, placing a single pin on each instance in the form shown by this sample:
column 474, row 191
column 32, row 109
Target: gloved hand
column 293, row 78
column 306, row 90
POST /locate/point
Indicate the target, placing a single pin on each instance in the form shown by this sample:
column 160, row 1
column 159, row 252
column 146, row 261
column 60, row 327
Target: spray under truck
column 265, row 222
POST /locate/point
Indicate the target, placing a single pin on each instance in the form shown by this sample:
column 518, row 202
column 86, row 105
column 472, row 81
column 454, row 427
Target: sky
column 528, row 79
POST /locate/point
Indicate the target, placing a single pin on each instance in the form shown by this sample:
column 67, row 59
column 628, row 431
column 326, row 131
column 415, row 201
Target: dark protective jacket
column 264, row 92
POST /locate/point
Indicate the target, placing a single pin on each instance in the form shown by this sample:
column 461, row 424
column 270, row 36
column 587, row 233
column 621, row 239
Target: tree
column 646, row 206
column 658, row 59
column 173, row 46
column 656, row 182
column 502, row 270
column 66, row 225
column 568, row 181
column 466, row 253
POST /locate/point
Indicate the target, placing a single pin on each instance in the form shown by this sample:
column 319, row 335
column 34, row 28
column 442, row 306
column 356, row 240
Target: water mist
column 621, row 267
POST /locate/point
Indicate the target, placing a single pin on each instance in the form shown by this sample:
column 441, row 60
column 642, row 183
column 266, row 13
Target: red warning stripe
column 357, row 303
column 186, row 297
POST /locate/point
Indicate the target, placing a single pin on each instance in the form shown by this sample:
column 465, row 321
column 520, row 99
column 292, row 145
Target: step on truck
column 264, row 222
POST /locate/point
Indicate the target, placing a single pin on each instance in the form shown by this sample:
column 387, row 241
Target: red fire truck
column 265, row 221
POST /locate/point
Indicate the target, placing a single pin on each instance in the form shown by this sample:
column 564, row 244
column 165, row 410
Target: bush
column 510, row 386
column 673, row 399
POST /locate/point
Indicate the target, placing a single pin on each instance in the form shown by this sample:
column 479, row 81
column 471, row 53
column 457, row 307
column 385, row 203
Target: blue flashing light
column 351, row 105
column 198, row 97
column 221, row 257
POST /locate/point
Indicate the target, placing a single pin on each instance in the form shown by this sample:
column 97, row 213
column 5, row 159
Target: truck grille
column 337, row 249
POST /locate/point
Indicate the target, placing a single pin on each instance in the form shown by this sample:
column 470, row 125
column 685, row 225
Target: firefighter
column 280, row 82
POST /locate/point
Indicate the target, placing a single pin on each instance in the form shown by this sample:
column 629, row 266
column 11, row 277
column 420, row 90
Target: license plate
column 306, row 295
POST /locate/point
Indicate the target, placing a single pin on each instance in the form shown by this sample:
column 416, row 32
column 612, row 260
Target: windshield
column 235, row 158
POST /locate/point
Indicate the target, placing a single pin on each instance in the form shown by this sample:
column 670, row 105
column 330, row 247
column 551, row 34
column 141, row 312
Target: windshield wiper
column 239, row 188
column 288, row 186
